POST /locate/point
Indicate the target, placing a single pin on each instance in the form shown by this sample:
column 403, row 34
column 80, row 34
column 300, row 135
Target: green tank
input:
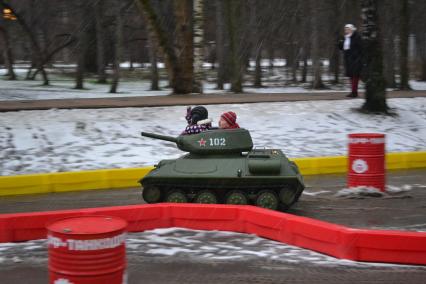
column 223, row 167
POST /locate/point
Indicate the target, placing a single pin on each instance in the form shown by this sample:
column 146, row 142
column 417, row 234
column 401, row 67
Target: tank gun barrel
column 160, row 137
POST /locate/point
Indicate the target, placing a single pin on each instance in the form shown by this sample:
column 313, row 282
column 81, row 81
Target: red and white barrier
column 335, row 240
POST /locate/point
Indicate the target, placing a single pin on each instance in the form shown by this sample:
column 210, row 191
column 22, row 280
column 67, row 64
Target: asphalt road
column 401, row 210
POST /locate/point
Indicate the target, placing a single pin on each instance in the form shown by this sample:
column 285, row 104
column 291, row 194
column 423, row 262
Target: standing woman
column 352, row 51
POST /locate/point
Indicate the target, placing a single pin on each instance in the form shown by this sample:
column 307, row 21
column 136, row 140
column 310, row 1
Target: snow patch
column 196, row 245
column 369, row 191
column 396, row 189
column 315, row 193
column 359, row 191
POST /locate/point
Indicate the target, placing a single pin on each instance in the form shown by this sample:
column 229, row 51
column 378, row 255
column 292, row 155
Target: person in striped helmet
column 228, row 120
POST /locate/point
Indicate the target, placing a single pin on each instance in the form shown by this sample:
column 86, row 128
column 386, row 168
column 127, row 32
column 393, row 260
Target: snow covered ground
column 71, row 140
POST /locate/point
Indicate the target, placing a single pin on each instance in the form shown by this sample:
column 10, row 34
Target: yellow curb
column 71, row 181
column 321, row 165
column 127, row 178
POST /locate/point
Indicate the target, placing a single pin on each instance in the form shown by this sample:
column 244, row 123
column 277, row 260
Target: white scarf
column 347, row 43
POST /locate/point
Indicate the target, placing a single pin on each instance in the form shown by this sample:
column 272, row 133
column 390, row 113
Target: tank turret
column 223, row 167
column 221, row 141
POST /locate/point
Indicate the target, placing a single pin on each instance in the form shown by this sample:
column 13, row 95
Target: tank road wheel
column 287, row 196
column 236, row 197
column 267, row 199
column 206, row 196
column 151, row 194
column 176, row 196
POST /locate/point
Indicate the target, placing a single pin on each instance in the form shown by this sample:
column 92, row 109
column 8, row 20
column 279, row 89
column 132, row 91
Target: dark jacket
column 197, row 121
column 201, row 126
column 353, row 56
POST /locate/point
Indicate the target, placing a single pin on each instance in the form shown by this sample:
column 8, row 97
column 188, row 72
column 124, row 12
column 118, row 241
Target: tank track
column 276, row 198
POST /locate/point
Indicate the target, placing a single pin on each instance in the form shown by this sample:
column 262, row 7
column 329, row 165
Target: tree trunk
column 153, row 58
column 184, row 47
column 421, row 51
column 152, row 49
column 117, row 48
column 180, row 70
column 403, row 41
column 100, row 43
column 375, row 94
column 233, row 14
column 79, row 74
column 257, row 42
column 389, row 61
column 220, row 44
column 305, row 66
column 258, row 69
column 388, row 42
column 81, row 48
column 295, row 64
column 198, row 46
column 7, row 54
column 334, row 67
column 423, row 69
column 271, row 56
column 316, row 60
column 161, row 39
column 32, row 24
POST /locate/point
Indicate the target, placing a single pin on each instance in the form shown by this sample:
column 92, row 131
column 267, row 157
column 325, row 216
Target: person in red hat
column 228, row 120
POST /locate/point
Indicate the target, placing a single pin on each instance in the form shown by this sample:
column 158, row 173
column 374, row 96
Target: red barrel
column 367, row 160
column 87, row 250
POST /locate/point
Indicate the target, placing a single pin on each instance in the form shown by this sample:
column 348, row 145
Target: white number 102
column 217, row 141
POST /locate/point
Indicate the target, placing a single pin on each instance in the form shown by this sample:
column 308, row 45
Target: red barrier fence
column 335, row 240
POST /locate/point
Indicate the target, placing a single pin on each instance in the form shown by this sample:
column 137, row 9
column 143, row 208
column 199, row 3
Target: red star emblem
column 202, row 142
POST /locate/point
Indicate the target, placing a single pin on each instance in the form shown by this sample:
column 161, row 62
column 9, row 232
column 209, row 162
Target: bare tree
column 152, row 48
column 403, row 45
column 316, row 59
column 7, row 51
column 82, row 44
column 118, row 45
column 198, row 46
column 233, row 17
column 295, row 40
column 48, row 31
column 421, row 51
column 335, row 25
column 375, row 94
column 179, row 55
column 221, row 44
column 98, row 8
column 31, row 35
column 257, row 40
column 388, row 41
column 184, row 45
column 418, row 10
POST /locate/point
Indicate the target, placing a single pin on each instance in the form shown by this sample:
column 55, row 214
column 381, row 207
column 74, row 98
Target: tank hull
column 244, row 178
